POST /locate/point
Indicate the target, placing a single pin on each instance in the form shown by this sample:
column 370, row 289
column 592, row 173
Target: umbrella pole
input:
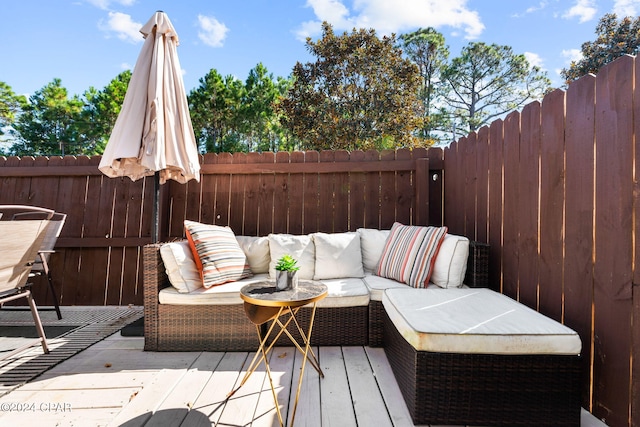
column 155, row 231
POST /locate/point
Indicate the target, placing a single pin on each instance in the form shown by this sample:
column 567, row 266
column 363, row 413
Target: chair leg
column 36, row 320
column 53, row 294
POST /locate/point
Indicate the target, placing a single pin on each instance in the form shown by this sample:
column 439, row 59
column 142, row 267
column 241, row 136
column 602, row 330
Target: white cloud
column 626, row 7
column 123, row 26
column 105, row 4
column 388, row 17
column 212, row 32
column 571, row 55
column 126, row 66
column 583, row 9
column 531, row 9
column 534, row 59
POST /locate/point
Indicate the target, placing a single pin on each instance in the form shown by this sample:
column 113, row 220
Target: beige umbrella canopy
column 153, row 133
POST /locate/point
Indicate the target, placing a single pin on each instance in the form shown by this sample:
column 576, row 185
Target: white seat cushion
column 226, row 294
column 377, row 285
column 475, row 321
column 346, row 292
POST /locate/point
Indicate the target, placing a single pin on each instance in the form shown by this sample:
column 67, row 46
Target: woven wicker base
column 205, row 328
column 190, row 327
column 481, row 389
column 332, row 326
column 376, row 324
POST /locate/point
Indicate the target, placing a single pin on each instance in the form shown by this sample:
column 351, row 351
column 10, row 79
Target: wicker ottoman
column 476, row 357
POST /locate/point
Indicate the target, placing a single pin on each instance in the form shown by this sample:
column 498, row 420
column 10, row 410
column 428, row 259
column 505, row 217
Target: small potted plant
column 286, row 273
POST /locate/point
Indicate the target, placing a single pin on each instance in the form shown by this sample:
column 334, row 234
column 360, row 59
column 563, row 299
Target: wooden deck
column 115, row 383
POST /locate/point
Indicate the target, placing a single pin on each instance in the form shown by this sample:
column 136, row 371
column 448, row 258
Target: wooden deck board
column 337, row 409
column 115, row 383
column 389, row 389
column 369, row 407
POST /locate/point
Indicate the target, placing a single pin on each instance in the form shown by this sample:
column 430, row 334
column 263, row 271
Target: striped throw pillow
column 409, row 254
column 217, row 253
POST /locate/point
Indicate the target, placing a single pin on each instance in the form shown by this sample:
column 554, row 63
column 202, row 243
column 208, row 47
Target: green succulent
column 287, row 263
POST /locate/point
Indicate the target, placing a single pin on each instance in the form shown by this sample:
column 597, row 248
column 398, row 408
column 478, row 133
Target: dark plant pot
column 286, row 280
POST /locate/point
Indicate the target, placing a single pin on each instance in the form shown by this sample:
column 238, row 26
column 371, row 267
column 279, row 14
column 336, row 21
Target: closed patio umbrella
column 153, row 134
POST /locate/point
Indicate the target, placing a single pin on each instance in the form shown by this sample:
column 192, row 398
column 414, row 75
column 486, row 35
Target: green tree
column 10, row 105
column 261, row 124
column 215, row 113
column 426, row 47
column 48, row 125
column 488, row 81
column 360, row 93
column 614, row 39
column 100, row 112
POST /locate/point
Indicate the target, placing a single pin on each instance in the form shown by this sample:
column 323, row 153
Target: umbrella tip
column 160, row 11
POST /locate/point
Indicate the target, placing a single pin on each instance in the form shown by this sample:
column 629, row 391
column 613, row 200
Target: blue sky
column 88, row 42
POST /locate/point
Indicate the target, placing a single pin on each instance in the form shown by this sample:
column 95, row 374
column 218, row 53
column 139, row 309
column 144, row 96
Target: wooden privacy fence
column 98, row 259
column 554, row 189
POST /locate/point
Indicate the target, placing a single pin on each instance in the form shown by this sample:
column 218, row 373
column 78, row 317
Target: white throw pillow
column 257, row 251
column 372, row 242
column 338, row 255
column 451, row 263
column 299, row 247
column 180, row 266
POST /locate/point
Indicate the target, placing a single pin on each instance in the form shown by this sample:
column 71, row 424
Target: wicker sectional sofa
column 521, row 368
column 214, row 319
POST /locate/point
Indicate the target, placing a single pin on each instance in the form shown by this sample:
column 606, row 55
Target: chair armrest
column 477, row 275
column 154, row 278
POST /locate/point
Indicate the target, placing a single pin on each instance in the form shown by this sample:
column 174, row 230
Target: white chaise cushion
column 338, row 255
column 227, row 294
column 257, row 251
column 300, row 247
column 482, row 321
column 451, row 263
column 180, row 266
column 372, row 244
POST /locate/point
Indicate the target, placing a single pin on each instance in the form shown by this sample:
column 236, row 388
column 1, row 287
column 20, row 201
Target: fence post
column 422, row 191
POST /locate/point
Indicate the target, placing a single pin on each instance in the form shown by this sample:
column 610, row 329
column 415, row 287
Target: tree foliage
column 487, row 81
column 230, row 116
column 10, row 105
column 260, row 120
column 214, row 107
column 614, row 39
column 48, row 123
column 359, row 93
column 426, row 47
column 101, row 111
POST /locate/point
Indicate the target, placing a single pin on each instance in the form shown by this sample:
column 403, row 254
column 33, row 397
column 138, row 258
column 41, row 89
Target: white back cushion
column 301, row 248
column 257, row 251
column 338, row 255
column 372, row 243
column 180, row 266
column 450, row 266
